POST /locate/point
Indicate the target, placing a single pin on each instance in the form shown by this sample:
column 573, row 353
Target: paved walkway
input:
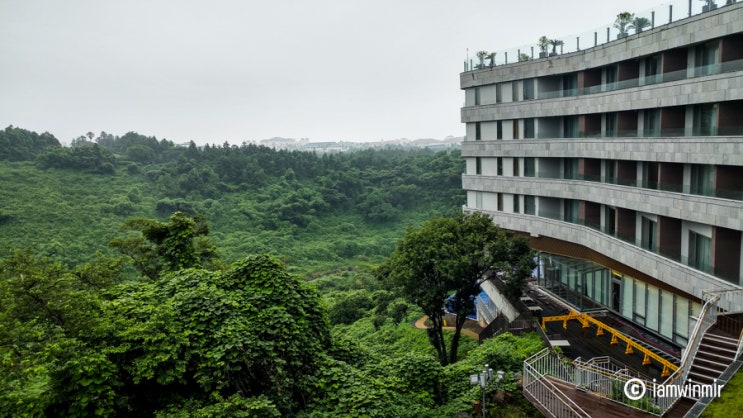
column 421, row 324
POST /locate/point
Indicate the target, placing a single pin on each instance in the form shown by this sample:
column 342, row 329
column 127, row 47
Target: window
column 500, row 202
column 529, row 89
column 478, row 165
column 611, row 77
column 530, row 205
column 529, row 128
column 699, row 251
column 610, row 169
column 478, row 200
column 516, row 167
column 651, row 69
column 701, row 179
column 478, row 131
column 516, row 207
column 499, row 161
column 570, row 84
column 706, row 58
column 477, row 96
column 570, row 127
column 705, row 119
column 611, row 124
column 651, row 124
column 570, row 210
column 515, row 91
column 529, row 167
column 649, row 234
column 499, row 128
column 515, row 129
column 570, row 168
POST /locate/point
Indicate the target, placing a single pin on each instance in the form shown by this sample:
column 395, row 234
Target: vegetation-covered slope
column 315, row 212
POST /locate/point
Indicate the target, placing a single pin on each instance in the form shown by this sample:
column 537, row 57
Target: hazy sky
column 237, row 70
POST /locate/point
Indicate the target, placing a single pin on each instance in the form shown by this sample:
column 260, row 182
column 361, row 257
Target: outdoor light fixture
column 482, row 379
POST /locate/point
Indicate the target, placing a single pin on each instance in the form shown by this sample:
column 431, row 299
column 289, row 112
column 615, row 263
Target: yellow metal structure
column 586, row 321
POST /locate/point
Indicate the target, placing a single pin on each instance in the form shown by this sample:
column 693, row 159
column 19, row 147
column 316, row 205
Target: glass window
column 529, row 89
column 478, row 131
column 640, row 293
column 478, row 200
column 627, row 296
column 701, row 179
column 649, row 234
column 705, row 119
column 651, row 319
column 516, row 204
column 529, row 205
column 529, row 128
column 529, row 170
column 478, row 165
column 516, row 168
column 499, row 129
column 699, row 251
column 611, row 124
column 681, row 317
column 500, row 202
column 499, row 169
column 651, row 123
column 666, row 312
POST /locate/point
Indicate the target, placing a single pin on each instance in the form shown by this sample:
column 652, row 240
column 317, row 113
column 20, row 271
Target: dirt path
column 421, row 324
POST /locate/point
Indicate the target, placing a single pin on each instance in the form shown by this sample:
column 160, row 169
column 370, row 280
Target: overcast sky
column 243, row 70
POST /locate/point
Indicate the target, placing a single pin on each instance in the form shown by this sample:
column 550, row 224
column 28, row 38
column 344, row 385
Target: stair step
column 721, row 338
column 711, row 362
column 715, row 373
column 711, row 348
column 723, row 359
column 701, row 378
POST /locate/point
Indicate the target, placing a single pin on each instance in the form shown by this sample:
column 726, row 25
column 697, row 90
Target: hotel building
column 623, row 163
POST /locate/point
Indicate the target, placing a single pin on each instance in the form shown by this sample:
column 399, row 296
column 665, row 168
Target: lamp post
column 482, row 379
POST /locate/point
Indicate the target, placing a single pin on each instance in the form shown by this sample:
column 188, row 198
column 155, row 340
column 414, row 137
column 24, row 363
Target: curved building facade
column 623, row 163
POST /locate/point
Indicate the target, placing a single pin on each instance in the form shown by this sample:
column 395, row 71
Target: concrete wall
column 701, row 209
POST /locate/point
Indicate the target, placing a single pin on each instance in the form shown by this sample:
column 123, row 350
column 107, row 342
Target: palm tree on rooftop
column 639, row 23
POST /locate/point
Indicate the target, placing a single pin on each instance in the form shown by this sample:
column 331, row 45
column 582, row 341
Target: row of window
column 705, row 119
column 723, row 181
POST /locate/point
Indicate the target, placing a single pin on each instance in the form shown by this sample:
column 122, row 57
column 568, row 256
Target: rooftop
column 663, row 14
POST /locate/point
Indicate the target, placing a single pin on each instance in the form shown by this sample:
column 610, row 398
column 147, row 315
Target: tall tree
column 164, row 247
column 448, row 255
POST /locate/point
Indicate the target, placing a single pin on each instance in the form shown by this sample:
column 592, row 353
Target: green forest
column 143, row 278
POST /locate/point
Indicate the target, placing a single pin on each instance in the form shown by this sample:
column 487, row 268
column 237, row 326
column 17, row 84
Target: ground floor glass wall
column 588, row 286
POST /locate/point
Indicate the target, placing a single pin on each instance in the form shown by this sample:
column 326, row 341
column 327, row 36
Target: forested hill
column 317, row 212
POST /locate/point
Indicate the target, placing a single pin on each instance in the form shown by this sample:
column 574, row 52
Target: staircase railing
column 539, row 390
column 707, row 318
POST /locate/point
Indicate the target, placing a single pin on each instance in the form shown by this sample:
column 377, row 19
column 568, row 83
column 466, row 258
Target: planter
column 542, row 55
column 552, row 54
column 622, row 35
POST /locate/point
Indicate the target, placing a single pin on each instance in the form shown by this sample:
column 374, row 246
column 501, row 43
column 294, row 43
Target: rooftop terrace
column 663, row 14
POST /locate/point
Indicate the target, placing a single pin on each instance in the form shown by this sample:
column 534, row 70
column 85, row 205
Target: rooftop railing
column 660, row 15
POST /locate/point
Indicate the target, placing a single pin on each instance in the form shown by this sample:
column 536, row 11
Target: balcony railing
column 693, row 72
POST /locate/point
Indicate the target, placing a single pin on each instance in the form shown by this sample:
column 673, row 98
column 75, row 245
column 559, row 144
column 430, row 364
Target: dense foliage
column 448, row 256
column 176, row 318
column 317, row 212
